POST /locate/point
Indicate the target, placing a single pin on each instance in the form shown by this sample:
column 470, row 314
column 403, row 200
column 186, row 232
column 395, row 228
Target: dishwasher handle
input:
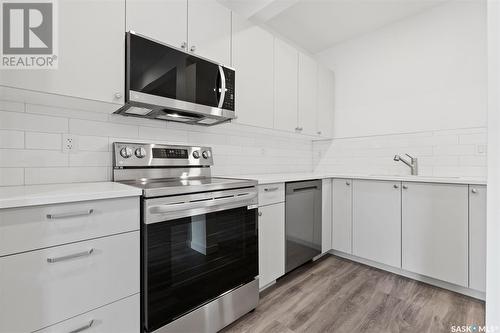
column 298, row 189
column 308, row 185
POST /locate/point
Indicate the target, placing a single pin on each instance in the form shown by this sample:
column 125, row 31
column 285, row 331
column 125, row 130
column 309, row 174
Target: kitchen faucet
column 412, row 163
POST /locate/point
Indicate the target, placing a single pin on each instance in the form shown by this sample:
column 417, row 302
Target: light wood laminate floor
column 337, row 295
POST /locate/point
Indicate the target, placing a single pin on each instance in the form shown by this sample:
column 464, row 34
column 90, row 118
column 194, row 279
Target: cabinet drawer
column 30, row 228
column 41, row 288
column 122, row 316
column 271, row 193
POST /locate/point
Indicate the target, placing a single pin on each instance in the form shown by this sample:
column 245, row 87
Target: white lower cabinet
column 435, row 231
column 377, row 221
column 342, row 215
column 271, row 243
column 477, row 237
column 122, row 316
column 41, row 288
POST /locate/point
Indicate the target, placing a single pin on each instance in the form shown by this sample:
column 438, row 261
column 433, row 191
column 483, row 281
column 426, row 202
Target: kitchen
column 250, row 166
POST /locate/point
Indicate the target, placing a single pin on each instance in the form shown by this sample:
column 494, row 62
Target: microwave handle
column 223, row 87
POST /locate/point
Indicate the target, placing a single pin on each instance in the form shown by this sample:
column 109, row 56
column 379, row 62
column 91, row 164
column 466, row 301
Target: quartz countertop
column 33, row 195
column 290, row 177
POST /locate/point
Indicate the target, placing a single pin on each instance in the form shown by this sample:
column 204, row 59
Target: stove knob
column 206, row 154
column 126, row 152
column 196, row 154
column 140, row 152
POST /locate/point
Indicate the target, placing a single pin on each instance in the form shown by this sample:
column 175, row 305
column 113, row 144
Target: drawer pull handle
column 83, row 328
column 271, row 189
column 71, row 256
column 67, row 215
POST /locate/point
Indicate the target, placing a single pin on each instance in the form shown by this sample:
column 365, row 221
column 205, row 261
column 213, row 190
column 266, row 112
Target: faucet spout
column 412, row 163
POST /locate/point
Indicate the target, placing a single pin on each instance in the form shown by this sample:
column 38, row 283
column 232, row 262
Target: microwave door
column 201, row 82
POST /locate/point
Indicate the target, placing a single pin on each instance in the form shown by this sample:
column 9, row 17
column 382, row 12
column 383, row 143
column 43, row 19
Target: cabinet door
column 209, row 30
column 163, row 20
column 285, row 86
column 342, row 215
column 477, row 237
column 324, row 122
column 254, row 87
column 377, row 221
column 91, row 57
column 307, row 94
column 271, row 243
column 435, row 228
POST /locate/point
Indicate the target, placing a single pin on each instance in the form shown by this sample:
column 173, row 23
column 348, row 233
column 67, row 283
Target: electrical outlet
column 70, row 143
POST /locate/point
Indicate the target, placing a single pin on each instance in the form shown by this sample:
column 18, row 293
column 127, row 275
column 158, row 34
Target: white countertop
column 33, row 195
column 290, row 177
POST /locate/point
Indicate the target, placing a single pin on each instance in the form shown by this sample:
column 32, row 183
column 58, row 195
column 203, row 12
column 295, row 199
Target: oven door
column 195, row 248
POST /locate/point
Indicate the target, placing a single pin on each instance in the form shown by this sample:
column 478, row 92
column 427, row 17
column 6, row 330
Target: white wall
column 427, row 72
column 32, row 126
column 493, row 227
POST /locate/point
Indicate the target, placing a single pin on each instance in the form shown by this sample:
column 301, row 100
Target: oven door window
column 192, row 260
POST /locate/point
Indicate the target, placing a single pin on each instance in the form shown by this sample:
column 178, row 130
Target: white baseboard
column 438, row 283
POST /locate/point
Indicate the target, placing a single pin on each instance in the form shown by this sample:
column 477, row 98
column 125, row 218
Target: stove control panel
column 127, row 154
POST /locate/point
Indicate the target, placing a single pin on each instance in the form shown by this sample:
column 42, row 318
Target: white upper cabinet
column 163, row 20
column 254, row 70
column 325, row 102
column 377, row 221
column 435, row 231
column 285, row 86
column 209, row 30
column 91, row 55
column 477, row 237
column 307, row 95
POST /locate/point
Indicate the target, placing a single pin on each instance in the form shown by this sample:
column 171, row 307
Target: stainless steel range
column 199, row 245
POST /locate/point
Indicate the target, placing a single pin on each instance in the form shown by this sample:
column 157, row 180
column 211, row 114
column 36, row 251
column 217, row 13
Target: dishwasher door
column 302, row 222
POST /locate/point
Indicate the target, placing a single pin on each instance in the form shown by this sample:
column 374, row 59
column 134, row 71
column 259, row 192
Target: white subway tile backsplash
column 455, row 150
column 101, row 128
column 66, row 175
column 11, row 139
column 90, row 159
column 31, row 145
column 14, row 158
column 93, row 143
column 11, row 176
column 31, row 122
column 476, row 138
column 11, row 106
column 65, row 112
column 163, row 134
column 36, row 140
column 453, row 153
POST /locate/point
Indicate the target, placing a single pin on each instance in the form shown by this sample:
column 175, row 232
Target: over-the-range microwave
column 168, row 83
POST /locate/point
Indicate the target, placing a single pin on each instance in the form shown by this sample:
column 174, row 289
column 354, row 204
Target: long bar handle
column 70, row 256
column 222, row 87
column 67, row 215
column 305, row 188
column 83, row 328
column 271, row 189
column 168, row 208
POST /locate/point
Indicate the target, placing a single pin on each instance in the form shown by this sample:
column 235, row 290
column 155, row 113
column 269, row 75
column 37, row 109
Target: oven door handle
column 210, row 202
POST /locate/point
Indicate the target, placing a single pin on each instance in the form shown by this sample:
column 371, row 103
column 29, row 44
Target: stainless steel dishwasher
column 302, row 222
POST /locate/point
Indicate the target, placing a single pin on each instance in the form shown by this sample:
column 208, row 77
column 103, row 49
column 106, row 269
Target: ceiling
column 316, row 25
